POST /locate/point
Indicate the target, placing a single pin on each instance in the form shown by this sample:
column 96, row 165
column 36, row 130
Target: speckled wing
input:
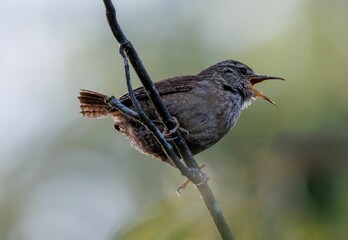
column 164, row 87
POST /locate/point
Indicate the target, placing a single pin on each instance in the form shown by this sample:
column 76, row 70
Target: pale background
column 280, row 174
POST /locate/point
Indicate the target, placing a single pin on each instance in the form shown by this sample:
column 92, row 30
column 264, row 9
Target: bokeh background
column 282, row 173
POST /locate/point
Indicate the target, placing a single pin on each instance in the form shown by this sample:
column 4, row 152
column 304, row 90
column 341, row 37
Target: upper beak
column 260, row 78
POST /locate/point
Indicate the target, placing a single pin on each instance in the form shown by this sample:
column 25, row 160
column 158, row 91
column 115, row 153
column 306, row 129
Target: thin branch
column 194, row 173
column 145, row 120
column 150, row 89
column 116, row 103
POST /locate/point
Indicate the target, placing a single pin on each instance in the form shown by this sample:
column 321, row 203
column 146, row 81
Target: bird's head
column 240, row 79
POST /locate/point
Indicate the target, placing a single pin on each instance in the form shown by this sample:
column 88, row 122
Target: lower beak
column 260, row 78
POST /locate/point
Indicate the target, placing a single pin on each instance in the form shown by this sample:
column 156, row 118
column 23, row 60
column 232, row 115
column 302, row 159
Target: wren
column 206, row 105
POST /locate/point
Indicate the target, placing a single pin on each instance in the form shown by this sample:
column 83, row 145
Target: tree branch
column 145, row 120
column 192, row 171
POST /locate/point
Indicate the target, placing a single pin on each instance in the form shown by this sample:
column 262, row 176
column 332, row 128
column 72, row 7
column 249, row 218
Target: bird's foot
column 167, row 133
column 184, row 184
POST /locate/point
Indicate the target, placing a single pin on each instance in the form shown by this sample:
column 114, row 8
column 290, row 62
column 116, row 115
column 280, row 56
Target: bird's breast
column 207, row 114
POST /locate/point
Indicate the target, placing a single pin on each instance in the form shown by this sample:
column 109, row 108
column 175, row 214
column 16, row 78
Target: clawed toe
column 167, row 133
column 184, row 184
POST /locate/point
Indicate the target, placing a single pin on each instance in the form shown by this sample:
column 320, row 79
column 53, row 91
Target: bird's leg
column 167, row 133
column 187, row 181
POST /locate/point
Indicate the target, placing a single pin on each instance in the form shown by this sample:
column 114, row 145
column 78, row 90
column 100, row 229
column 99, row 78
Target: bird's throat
column 246, row 103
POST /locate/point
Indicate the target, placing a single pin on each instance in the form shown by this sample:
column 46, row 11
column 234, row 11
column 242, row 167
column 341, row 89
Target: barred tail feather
column 93, row 104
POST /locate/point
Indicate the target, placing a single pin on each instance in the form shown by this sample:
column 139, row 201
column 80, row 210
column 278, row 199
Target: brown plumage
column 93, row 104
column 206, row 105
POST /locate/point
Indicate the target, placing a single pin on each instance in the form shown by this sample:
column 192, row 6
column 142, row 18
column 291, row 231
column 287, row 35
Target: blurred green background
column 282, row 173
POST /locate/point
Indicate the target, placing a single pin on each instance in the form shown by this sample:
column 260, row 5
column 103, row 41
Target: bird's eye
column 243, row 70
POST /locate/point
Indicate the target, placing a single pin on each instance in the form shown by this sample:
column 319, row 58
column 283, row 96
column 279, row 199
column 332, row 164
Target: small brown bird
column 206, row 105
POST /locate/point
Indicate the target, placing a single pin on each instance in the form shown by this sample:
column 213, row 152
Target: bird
column 206, row 106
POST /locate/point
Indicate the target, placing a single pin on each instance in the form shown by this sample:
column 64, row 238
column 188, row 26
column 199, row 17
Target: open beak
column 260, row 78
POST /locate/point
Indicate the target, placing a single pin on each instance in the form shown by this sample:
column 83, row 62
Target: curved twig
column 192, row 171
